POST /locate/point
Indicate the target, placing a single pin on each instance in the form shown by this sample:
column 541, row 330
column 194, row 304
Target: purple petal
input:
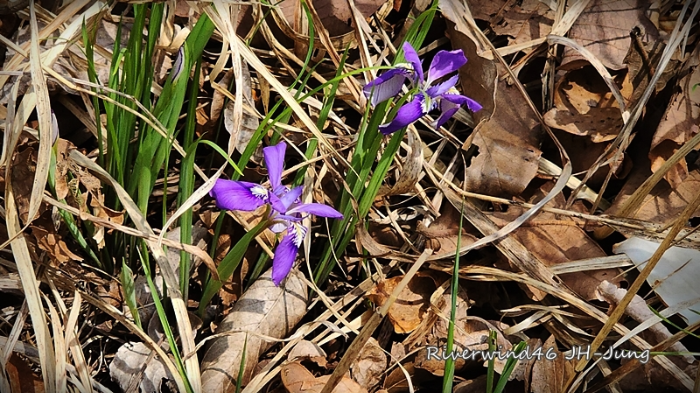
column 386, row 85
column 279, row 227
column 445, row 63
column 274, row 160
column 54, row 128
column 317, row 209
column 288, row 218
column 282, row 204
column 286, row 253
column 238, row 195
column 406, row 115
column 450, row 103
column 442, row 88
column 412, row 56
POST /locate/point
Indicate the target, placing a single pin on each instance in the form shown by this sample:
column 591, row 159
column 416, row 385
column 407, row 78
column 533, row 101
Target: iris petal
column 386, row 85
column 286, row 253
column 442, row 88
column 406, row 115
column 274, row 160
column 450, row 103
column 412, row 56
column 317, row 209
column 290, row 197
column 238, row 195
column 445, row 63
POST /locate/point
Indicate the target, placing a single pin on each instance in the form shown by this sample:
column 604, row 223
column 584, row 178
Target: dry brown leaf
column 297, row 379
column 264, row 309
column 369, row 365
column 477, row 385
column 471, row 333
column 679, row 124
column 604, row 29
column 554, row 240
column 551, row 375
column 522, row 21
column 412, row 168
column 334, row 14
column 412, row 303
column 652, row 378
column 663, row 204
column 102, row 211
column 306, row 349
column 23, row 168
column 396, row 381
column 131, row 361
column 51, row 242
column 443, row 233
column 585, row 106
column 640, row 65
column 21, row 377
column 508, row 133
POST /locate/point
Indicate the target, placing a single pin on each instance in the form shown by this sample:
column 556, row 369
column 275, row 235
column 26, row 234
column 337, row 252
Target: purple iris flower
column 287, row 210
column 437, row 91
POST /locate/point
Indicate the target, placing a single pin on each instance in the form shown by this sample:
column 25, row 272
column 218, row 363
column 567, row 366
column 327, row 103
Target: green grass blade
column 511, row 362
column 127, row 278
column 229, row 264
column 162, row 315
column 448, row 378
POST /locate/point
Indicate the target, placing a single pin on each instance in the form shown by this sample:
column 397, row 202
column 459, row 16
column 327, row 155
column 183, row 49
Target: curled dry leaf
column 554, row 240
column 23, row 169
column 412, row 303
column 133, row 360
column 249, row 122
column 584, row 105
column 264, row 309
column 412, row 168
column 551, row 376
column 370, row 364
column 306, row 349
column 51, row 242
column 102, row 211
column 679, row 124
column 508, row 133
column 604, row 29
column 297, row 379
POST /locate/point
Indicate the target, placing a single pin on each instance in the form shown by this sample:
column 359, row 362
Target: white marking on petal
column 260, row 192
column 298, row 231
column 428, row 104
